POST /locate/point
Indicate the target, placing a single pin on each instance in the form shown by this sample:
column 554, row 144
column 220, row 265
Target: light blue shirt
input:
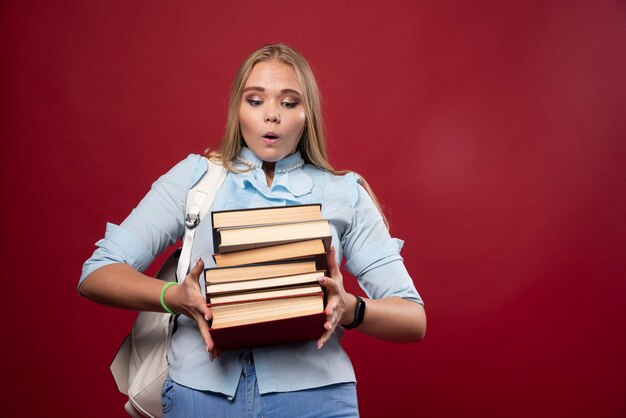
column 359, row 236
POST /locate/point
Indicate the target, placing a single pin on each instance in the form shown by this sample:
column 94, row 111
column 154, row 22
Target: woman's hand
column 337, row 298
column 187, row 299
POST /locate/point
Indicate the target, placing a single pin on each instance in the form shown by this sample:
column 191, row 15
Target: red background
column 494, row 132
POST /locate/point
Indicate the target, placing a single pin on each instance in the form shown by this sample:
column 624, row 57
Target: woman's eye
column 290, row 105
column 254, row 102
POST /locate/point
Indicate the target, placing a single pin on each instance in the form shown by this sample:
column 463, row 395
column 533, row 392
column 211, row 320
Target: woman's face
column 271, row 113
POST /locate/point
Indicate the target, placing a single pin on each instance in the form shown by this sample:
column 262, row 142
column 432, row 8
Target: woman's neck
column 268, row 169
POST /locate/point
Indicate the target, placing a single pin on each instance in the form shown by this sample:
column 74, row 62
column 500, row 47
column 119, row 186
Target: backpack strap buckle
column 192, row 220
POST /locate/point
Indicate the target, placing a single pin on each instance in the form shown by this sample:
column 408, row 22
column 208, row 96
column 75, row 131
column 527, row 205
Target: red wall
column 494, row 131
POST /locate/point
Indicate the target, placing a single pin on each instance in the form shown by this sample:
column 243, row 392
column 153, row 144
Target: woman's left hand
column 336, row 298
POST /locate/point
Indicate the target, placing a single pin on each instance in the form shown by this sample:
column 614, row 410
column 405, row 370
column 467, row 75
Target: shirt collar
column 289, row 177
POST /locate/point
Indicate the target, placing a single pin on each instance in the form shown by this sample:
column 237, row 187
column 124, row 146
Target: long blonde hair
column 312, row 145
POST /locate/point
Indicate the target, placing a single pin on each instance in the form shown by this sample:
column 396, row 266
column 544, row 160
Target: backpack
column 140, row 365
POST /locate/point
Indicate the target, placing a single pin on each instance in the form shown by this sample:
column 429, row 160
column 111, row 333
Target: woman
column 274, row 150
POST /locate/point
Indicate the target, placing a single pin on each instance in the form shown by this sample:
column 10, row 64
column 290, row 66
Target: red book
column 281, row 331
column 268, row 322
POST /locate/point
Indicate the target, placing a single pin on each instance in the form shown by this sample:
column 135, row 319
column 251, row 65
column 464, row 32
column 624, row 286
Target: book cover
column 258, row 284
column 266, row 215
column 247, row 237
column 295, row 250
column 264, row 294
column 259, row 271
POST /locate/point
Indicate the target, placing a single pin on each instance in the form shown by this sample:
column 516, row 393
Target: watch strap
column 359, row 313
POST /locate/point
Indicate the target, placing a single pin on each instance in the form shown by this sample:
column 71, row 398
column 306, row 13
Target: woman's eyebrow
column 290, row 91
column 255, row 88
column 261, row 89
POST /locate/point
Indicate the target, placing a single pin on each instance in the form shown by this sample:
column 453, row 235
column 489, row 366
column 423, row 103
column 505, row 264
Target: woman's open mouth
column 270, row 137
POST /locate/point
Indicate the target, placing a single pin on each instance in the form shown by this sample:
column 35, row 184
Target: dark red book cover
column 281, row 331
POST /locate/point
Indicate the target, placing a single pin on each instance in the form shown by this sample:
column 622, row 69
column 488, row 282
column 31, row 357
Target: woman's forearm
column 121, row 286
column 392, row 319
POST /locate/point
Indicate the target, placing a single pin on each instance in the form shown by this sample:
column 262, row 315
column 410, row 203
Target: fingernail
column 206, row 317
column 206, row 347
column 322, row 279
column 320, row 345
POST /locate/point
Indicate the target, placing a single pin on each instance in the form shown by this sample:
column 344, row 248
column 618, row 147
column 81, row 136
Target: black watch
column 359, row 313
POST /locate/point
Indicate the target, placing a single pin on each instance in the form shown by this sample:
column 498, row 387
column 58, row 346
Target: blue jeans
column 325, row 402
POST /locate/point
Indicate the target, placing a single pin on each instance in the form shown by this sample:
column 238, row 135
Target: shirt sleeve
column 372, row 255
column 156, row 223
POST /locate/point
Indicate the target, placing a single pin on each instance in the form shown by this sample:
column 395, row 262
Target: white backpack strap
column 199, row 200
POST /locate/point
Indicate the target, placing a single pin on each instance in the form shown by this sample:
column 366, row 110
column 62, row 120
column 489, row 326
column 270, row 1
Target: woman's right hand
column 187, row 299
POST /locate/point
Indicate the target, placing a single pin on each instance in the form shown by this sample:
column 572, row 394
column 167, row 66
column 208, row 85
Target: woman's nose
column 272, row 117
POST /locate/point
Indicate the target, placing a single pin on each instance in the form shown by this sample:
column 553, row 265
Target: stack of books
column 264, row 289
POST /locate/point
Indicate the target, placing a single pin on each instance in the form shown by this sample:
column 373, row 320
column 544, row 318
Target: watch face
column 360, row 311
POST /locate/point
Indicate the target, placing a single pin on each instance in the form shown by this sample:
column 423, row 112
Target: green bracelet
column 165, row 286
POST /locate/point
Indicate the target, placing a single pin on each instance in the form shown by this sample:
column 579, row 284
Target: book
column 239, row 238
column 263, row 294
column 294, row 250
column 260, row 271
column 269, row 322
column 267, row 215
column 288, row 330
column 234, row 314
column 264, row 289
column 258, row 284
column 213, row 289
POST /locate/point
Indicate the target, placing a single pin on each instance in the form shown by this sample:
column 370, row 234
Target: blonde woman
column 275, row 154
